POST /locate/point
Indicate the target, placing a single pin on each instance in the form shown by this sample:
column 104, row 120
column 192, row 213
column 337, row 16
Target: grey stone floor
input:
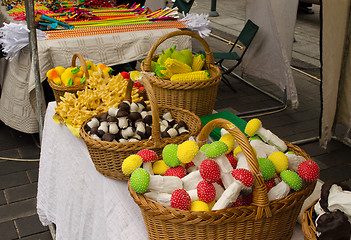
column 18, row 179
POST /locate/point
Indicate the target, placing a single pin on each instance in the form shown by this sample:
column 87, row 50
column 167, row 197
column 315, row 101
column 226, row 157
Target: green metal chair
column 243, row 42
column 183, row 5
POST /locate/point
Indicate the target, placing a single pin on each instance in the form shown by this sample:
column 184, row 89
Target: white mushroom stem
column 166, row 184
column 148, row 167
column 294, row 161
column 271, row 138
column 140, row 126
column 163, row 198
column 280, row 190
column 200, row 156
column 103, row 126
column 226, row 170
column 191, row 180
column 263, row 150
column 123, row 122
column 113, row 128
column 229, row 196
column 219, row 190
column 193, row 194
column 242, row 162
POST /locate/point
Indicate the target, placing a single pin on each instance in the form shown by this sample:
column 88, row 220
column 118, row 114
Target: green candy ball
column 204, row 147
column 267, row 168
column 216, row 149
column 292, row 178
column 169, row 155
column 139, row 180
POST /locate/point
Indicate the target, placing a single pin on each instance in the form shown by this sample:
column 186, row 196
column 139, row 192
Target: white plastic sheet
column 269, row 55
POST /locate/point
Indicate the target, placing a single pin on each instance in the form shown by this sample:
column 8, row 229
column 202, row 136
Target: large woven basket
column 308, row 226
column 108, row 156
column 59, row 90
column 196, row 96
column 263, row 219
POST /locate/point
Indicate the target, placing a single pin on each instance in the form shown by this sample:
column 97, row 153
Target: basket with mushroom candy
column 329, row 217
column 221, row 190
column 120, row 132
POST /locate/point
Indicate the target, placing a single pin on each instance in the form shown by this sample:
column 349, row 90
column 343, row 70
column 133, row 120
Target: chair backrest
column 183, row 5
column 248, row 33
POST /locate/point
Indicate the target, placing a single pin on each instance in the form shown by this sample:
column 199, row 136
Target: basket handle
column 208, row 52
column 155, row 130
column 82, row 62
column 260, row 197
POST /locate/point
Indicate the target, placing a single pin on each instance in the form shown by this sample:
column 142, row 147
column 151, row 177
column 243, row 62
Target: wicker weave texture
column 108, row 156
column 59, row 90
column 196, row 96
column 308, row 226
column 262, row 220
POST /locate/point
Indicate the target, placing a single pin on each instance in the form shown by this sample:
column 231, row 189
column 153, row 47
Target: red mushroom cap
column 209, row 170
column 244, row 176
column 176, row 171
column 181, row 199
column 206, row 191
column 308, row 170
column 147, row 155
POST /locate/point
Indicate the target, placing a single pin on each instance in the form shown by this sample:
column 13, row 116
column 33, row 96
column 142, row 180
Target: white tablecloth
column 18, row 102
column 80, row 201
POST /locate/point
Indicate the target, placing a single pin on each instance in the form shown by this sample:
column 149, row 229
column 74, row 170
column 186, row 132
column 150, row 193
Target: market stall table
column 82, row 203
column 18, row 101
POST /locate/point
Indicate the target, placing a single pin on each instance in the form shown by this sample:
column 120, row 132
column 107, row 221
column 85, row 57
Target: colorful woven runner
column 81, row 32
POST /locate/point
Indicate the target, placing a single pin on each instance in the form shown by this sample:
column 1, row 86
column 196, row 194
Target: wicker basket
column 59, row 90
column 108, row 156
column 263, row 219
column 308, row 226
column 196, row 96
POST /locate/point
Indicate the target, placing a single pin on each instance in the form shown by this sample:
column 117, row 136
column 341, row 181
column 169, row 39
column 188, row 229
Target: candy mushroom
column 179, row 171
column 242, row 178
column 240, row 156
column 228, row 139
column 191, row 180
column 206, row 191
column 123, row 121
column 169, row 155
column 210, row 171
column 180, row 199
column 131, row 163
column 262, row 149
column 141, row 181
column 254, row 127
column 294, row 160
column 290, row 180
column 217, row 150
column 187, row 151
column 280, row 161
column 308, row 171
column 148, row 157
column 267, row 168
column 163, row 198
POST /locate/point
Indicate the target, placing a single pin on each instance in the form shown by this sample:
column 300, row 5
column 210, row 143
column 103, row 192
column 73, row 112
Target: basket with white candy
column 217, row 175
